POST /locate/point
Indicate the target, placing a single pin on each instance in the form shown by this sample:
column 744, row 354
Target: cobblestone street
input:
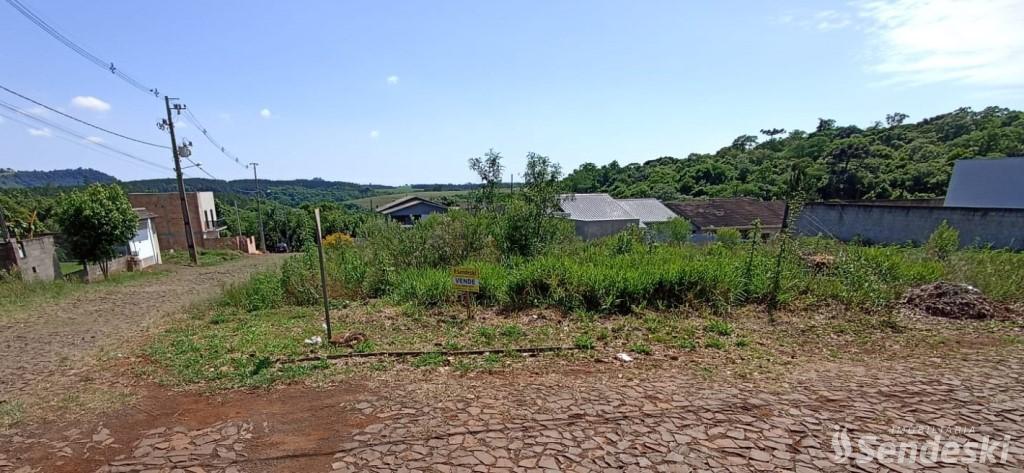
column 617, row 419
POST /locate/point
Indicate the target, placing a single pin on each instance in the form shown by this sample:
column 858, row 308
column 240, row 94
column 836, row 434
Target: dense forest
column 11, row 179
column 887, row 160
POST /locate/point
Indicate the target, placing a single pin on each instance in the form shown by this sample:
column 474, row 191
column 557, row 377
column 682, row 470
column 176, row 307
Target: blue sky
column 401, row 92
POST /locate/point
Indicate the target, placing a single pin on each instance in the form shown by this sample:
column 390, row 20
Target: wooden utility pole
column 189, row 238
column 323, row 275
column 259, row 211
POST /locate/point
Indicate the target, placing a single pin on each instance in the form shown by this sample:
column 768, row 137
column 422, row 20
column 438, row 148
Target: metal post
column 323, row 274
column 189, row 239
column 259, row 210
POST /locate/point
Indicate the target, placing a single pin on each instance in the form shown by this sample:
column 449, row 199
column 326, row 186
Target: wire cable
column 106, row 65
column 83, row 121
column 195, row 121
column 72, row 133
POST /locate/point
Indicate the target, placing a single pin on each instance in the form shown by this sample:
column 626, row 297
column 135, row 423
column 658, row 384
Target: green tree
column 96, row 222
column 489, row 168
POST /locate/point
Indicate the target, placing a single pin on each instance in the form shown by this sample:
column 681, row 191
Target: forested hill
column 889, row 160
column 11, row 179
column 291, row 192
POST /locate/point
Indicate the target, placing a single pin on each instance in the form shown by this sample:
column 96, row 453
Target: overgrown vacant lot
column 706, row 305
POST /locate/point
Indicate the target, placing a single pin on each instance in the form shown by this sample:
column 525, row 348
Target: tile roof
column 647, row 210
column 593, row 207
column 732, row 212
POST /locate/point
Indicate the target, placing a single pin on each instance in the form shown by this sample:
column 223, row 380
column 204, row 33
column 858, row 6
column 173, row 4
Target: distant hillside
column 11, row 179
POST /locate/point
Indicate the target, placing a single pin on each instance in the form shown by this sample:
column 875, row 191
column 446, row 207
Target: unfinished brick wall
column 35, row 258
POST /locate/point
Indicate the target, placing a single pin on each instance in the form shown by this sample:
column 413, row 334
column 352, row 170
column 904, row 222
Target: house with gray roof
column 600, row 215
column 987, row 183
column 408, row 210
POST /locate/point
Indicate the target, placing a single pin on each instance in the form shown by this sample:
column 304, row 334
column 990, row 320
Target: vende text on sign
column 466, row 279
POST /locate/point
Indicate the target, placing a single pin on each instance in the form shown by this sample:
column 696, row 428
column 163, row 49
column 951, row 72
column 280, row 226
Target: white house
column 145, row 246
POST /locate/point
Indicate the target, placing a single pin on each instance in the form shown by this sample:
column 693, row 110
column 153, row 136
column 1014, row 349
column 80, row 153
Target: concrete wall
column 593, row 229
column 897, row 224
column 246, row 245
column 170, row 227
column 35, row 258
column 120, row 264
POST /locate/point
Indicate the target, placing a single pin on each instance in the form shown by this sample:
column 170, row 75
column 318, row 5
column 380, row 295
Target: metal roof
column 593, row 207
column 647, row 210
column 987, row 183
column 144, row 214
column 406, row 202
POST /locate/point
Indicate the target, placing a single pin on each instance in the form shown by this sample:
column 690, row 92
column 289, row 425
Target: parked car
column 279, row 248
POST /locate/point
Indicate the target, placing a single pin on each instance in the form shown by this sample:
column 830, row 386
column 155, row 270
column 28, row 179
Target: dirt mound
column 953, row 301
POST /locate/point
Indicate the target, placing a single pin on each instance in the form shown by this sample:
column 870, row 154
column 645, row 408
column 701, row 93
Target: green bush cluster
column 619, row 274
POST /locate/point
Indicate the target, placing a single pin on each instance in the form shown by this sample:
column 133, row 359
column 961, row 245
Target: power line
column 106, row 65
column 83, row 121
column 195, row 121
column 72, row 133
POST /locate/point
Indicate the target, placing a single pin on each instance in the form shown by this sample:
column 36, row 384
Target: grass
column 11, row 412
column 17, row 296
column 68, row 267
column 206, row 257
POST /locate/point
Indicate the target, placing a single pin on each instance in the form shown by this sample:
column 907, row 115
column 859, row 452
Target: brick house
column 170, row 227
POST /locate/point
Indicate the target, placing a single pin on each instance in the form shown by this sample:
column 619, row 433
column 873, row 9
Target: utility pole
column 189, row 239
column 259, row 212
column 238, row 218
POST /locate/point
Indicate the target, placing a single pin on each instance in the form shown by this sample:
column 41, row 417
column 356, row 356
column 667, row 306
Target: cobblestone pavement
column 34, row 348
column 616, row 418
column 680, row 423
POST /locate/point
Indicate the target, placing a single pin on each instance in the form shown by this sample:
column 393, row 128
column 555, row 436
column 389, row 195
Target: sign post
column 467, row 282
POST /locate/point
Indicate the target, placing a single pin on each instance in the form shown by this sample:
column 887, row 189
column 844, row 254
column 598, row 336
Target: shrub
column 943, row 242
column 428, row 287
column 676, row 230
column 261, row 292
column 728, row 237
column 583, row 342
column 338, row 239
column 300, row 279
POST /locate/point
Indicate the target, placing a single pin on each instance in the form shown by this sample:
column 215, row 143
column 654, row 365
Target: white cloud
column 374, row 134
column 265, row 113
column 979, row 42
column 94, row 139
column 828, row 20
column 392, row 80
column 45, row 132
column 89, row 102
